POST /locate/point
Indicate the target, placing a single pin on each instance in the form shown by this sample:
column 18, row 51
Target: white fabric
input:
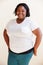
column 20, row 35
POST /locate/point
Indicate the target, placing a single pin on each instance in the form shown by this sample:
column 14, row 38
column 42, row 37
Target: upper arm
column 37, row 32
column 35, row 28
column 5, row 34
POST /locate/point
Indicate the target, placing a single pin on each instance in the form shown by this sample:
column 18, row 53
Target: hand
column 35, row 51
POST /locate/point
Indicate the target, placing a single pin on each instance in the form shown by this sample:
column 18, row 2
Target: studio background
column 6, row 13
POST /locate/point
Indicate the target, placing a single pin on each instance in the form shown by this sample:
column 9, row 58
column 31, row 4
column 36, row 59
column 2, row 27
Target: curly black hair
column 25, row 6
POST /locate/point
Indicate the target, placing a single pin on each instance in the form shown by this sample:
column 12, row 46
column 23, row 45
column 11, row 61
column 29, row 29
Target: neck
column 19, row 20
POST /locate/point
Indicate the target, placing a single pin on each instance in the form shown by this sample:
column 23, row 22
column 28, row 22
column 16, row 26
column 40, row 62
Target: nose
column 20, row 12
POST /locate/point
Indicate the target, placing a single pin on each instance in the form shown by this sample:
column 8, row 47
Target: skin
column 21, row 13
column 6, row 38
column 38, row 33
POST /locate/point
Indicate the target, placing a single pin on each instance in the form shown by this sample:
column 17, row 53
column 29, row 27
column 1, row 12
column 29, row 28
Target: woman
column 18, row 35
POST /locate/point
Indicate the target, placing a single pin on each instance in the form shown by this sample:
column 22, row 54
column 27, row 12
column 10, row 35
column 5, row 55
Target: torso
column 20, row 36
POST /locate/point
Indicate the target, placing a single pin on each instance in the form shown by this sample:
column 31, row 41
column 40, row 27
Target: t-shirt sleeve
column 7, row 26
column 34, row 25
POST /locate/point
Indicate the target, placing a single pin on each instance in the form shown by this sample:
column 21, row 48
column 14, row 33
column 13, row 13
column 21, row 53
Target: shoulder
column 10, row 23
column 33, row 24
column 28, row 20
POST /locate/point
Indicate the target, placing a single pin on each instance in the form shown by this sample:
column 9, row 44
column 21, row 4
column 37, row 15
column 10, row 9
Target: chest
column 23, row 28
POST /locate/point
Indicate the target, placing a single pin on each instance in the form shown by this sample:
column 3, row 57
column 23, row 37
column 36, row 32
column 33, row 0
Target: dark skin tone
column 21, row 13
column 6, row 37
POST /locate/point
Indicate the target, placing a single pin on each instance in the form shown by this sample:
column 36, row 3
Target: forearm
column 38, row 34
column 6, row 38
column 38, row 40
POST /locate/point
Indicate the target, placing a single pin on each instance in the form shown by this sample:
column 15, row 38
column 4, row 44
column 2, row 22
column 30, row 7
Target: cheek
column 24, row 13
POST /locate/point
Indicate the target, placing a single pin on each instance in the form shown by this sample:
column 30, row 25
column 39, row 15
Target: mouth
column 20, row 15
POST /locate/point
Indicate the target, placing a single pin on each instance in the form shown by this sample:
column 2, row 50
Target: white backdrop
column 6, row 13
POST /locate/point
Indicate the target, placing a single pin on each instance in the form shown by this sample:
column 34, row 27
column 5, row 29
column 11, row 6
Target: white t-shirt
column 20, row 35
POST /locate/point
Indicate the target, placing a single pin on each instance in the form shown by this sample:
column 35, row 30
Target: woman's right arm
column 6, row 38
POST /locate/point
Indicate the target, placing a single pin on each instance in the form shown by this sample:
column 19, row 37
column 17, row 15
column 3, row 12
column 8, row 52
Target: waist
column 26, row 52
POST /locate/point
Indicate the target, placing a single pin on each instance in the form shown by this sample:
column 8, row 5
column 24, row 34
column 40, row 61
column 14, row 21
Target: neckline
column 21, row 22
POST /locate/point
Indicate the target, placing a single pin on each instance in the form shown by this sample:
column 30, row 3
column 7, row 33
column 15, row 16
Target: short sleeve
column 8, row 24
column 7, row 27
column 34, row 25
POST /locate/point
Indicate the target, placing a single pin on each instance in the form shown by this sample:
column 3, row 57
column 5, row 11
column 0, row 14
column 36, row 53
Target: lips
column 20, row 15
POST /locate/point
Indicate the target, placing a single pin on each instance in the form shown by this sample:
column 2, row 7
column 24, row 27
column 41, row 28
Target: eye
column 23, row 11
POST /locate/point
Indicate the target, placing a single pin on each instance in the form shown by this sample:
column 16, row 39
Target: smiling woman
column 21, row 27
column 18, row 35
column 22, row 11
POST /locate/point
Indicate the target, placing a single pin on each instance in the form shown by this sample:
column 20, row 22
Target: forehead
column 21, row 7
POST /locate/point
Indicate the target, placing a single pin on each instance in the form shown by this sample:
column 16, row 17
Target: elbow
column 39, row 35
column 4, row 33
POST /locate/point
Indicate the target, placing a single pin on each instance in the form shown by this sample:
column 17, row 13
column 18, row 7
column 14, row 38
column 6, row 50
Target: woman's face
column 21, row 12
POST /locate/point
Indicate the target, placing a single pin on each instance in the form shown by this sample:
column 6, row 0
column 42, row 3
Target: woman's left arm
column 38, row 34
